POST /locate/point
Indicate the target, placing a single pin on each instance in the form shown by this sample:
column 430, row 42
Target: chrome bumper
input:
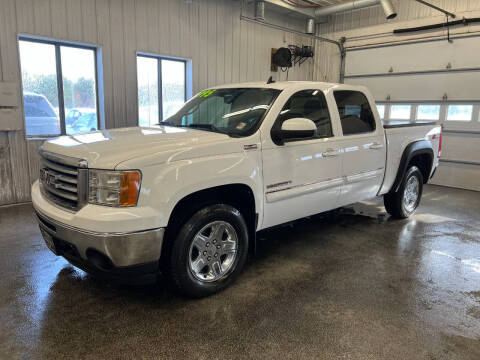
column 121, row 249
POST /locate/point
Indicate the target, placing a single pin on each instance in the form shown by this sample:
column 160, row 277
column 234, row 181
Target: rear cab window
column 356, row 115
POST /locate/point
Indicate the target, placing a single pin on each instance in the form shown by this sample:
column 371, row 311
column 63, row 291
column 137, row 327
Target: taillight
column 440, row 145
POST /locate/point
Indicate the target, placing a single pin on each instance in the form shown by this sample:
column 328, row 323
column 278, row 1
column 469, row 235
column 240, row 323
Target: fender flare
column 413, row 149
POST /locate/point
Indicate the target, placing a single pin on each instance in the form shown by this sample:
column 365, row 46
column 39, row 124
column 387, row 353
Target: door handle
column 330, row 153
column 376, row 146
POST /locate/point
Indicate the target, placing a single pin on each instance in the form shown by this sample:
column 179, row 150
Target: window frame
column 159, row 59
column 371, row 110
column 276, row 123
column 58, row 66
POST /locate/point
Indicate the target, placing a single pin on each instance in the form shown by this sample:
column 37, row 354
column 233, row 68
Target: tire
column 403, row 203
column 209, row 251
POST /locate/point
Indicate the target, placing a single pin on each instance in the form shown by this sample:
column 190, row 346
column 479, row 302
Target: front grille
column 63, row 180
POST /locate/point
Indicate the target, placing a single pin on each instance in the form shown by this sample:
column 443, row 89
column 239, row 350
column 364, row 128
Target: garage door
column 429, row 80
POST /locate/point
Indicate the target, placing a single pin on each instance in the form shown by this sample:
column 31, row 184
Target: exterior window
column 173, row 86
column 400, row 112
column 147, row 78
column 355, row 113
column 59, row 88
column 310, row 104
column 428, row 112
column 459, row 112
column 381, row 111
column 161, row 88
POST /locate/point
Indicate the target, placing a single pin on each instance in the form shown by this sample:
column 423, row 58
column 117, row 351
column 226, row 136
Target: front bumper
column 127, row 257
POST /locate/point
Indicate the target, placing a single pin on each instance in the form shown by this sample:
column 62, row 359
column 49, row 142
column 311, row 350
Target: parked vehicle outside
column 84, row 123
column 40, row 116
column 72, row 116
column 188, row 196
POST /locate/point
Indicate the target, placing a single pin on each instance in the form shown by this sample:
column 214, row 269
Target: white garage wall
column 419, row 70
column 222, row 48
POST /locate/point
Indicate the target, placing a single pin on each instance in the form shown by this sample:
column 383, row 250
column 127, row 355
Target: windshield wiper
column 167, row 123
column 209, row 127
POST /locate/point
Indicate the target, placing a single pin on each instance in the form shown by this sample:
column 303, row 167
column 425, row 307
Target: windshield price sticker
column 206, row 93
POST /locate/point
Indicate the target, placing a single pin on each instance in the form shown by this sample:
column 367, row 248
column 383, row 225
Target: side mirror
column 294, row 129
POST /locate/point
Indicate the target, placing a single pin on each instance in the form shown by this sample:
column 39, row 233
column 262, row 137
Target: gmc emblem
column 47, row 178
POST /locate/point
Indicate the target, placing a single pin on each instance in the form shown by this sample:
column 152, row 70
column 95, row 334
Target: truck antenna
column 270, row 80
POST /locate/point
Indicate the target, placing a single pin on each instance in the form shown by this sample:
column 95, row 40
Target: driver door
column 302, row 177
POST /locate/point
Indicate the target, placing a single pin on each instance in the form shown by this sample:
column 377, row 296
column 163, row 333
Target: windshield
column 235, row 112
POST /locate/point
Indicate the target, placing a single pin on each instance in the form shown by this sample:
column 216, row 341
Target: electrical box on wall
column 8, row 94
column 10, row 118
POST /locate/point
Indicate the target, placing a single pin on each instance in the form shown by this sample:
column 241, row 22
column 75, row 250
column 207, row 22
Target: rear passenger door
column 362, row 146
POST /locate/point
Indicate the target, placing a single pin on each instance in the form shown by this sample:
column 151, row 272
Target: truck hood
column 108, row 148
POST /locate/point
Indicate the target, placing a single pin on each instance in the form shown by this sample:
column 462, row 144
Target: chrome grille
column 63, row 180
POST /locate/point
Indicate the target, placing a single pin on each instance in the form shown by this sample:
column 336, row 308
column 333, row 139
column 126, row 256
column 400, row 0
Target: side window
column 356, row 115
column 310, row 104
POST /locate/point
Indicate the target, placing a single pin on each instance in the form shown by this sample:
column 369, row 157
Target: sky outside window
column 459, row 112
column 428, row 112
column 381, row 111
column 400, row 112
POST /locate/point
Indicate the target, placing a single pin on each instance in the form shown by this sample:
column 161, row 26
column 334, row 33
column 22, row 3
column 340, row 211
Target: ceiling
column 328, row 2
column 282, row 6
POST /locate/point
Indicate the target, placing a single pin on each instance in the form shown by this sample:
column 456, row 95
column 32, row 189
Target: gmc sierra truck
column 187, row 196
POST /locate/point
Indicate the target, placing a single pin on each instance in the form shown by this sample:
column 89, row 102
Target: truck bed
column 399, row 135
column 405, row 123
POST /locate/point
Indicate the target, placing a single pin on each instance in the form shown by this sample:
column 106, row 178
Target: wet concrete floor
column 351, row 284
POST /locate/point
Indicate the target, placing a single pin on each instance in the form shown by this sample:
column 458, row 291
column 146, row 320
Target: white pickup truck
column 187, row 197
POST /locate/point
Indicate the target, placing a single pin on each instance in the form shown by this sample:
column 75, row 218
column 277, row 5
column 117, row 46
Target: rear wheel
column 209, row 251
column 404, row 202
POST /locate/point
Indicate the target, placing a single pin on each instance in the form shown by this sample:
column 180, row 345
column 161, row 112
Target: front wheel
column 405, row 201
column 209, row 251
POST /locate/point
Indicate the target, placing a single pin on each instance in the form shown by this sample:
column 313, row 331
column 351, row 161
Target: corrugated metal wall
column 222, row 48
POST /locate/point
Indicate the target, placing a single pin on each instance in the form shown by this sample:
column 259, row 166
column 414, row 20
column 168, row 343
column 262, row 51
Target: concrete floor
column 349, row 284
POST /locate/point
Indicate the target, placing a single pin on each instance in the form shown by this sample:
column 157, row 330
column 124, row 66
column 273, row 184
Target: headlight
column 113, row 188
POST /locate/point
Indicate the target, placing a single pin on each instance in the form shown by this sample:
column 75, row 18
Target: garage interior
column 351, row 283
